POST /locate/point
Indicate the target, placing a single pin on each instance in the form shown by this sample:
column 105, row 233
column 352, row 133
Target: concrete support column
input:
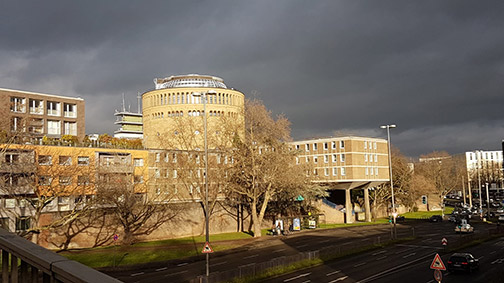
column 348, row 207
column 367, row 207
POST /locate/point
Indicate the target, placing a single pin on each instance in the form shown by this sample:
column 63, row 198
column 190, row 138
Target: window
column 82, row 180
column 371, row 171
column 343, row 171
column 326, row 146
column 365, row 145
column 374, row 145
column 166, row 158
column 138, row 162
column 65, row 180
column 70, row 110
column 315, row 172
column 10, row 203
column 335, row 171
column 342, row 158
column 326, row 158
column 53, row 127
column 365, row 157
column 326, row 171
column 36, row 106
column 36, row 126
column 315, row 159
column 174, row 158
column 334, row 158
column 197, row 159
column 138, row 179
column 297, row 146
column 158, row 157
column 174, row 173
column 53, row 108
column 307, row 147
column 65, row 160
column 45, row 160
column 11, row 158
column 367, row 171
column 342, row 144
column 376, row 158
column 83, row 160
column 314, row 146
column 17, row 104
column 333, row 145
column 297, row 160
column 44, row 180
column 22, row 223
column 157, row 173
column 70, row 128
column 376, row 171
column 18, row 124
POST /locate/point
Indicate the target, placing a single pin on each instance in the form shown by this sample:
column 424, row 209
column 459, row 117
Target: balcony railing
column 70, row 114
column 23, row 261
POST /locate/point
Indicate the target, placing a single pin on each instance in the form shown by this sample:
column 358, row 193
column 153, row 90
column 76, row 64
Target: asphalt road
column 350, row 269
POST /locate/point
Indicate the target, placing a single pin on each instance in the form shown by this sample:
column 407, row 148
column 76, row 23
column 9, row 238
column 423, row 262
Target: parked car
column 464, row 228
column 436, row 218
column 463, row 262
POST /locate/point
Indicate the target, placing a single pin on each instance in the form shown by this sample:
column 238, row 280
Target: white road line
column 307, row 281
column 176, row 273
column 182, row 264
column 347, row 243
column 280, row 250
column 481, row 257
column 302, row 246
column 220, row 263
column 161, row 269
column 382, row 257
column 408, row 255
column 251, row 256
column 324, row 241
column 297, row 277
column 493, row 252
column 339, row 279
column 136, row 274
column 332, row 273
column 380, row 252
column 430, row 281
column 359, row 264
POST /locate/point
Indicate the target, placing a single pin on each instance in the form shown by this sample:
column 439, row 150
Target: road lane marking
column 430, row 281
column 359, row 264
column 161, row 269
column 339, row 279
column 404, row 251
column 136, row 274
column 297, row 277
column 251, row 256
column 380, row 252
column 280, row 250
column 220, row 263
column 394, row 269
column 324, row 241
column 182, row 264
column 302, row 246
column 408, row 255
column 307, row 281
column 347, row 243
column 493, row 252
column 332, row 273
column 382, row 257
column 176, row 273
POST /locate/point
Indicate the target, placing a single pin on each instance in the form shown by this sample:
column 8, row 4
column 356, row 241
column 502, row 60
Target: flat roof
column 43, row 94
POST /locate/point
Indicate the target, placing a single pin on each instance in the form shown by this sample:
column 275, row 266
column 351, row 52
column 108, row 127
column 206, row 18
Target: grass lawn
column 170, row 249
column 426, row 214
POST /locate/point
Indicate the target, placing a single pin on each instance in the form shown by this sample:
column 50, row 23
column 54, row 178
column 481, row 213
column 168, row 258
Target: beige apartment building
column 36, row 115
column 346, row 163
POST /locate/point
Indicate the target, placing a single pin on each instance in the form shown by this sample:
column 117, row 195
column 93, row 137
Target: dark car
column 436, row 218
column 462, row 262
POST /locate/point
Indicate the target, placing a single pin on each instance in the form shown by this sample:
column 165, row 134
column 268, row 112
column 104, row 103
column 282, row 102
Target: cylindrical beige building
column 173, row 113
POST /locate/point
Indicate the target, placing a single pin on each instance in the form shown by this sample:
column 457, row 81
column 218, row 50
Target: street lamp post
column 394, row 212
column 207, row 212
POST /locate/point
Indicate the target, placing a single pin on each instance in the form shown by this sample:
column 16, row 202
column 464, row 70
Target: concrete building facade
column 36, row 115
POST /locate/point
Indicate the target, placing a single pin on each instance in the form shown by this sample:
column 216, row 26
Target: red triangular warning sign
column 437, row 263
column 207, row 249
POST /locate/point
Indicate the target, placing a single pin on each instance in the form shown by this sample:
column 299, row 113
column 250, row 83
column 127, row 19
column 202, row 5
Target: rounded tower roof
column 190, row 80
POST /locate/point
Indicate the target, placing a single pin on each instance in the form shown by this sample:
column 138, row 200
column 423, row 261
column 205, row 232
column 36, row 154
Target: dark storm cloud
column 434, row 68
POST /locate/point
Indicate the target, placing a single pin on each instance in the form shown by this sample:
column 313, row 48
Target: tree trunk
column 255, row 220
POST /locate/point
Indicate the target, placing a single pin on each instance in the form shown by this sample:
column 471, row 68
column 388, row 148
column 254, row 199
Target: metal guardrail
column 24, row 261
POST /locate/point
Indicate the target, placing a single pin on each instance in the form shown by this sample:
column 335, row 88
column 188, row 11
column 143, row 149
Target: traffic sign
column 437, row 263
column 207, row 249
column 116, row 237
column 438, row 275
column 444, row 242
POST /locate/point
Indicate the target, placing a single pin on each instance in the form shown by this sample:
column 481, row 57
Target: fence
column 23, row 261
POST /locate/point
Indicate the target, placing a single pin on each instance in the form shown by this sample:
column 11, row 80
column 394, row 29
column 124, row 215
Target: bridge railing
column 24, row 261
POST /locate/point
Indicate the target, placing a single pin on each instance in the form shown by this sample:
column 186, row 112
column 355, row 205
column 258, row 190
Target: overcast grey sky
column 434, row 68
